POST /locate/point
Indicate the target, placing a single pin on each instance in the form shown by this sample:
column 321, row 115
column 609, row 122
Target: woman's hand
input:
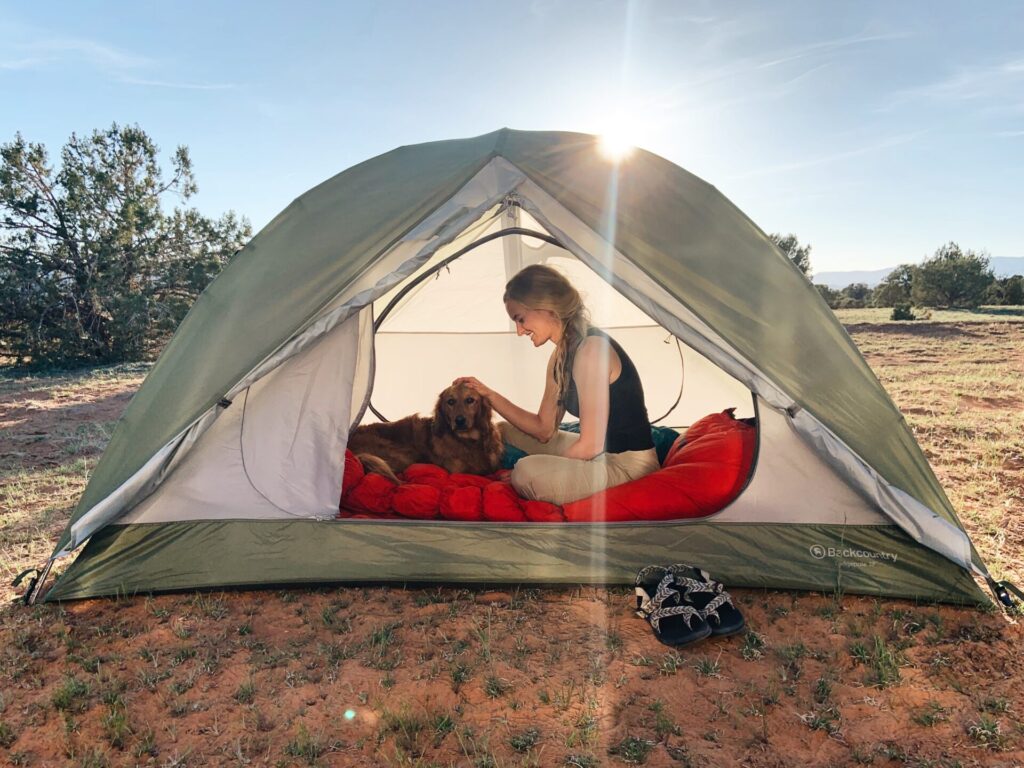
column 476, row 385
column 540, row 425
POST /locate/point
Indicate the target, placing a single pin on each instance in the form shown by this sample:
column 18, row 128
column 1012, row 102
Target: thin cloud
column 785, row 84
column 123, row 66
column 690, row 100
column 180, row 86
column 1003, row 80
column 98, row 54
column 690, row 18
column 825, row 46
column 744, row 68
column 1008, row 134
column 889, row 143
column 699, row 20
column 21, row 64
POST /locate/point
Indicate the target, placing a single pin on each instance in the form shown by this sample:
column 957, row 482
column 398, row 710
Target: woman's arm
column 540, row 425
column 592, row 371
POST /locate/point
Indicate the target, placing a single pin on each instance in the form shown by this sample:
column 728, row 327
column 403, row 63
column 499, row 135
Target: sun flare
column 615, row 144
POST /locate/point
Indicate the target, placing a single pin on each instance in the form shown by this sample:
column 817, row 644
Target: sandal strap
column 711, row 609
column 688, row 612
column 649, row 604
column 691, row 586
column 665, row 591
column 693, row 571
column 650, row 570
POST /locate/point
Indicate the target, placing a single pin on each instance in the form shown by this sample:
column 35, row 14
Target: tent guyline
column 190, row 494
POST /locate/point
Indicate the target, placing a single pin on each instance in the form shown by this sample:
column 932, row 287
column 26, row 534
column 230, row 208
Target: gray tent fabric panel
column 879, row 560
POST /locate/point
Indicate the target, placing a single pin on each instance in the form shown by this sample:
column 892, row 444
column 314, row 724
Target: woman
column 591, row 377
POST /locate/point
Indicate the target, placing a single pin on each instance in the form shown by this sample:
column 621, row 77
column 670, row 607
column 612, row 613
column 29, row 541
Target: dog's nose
column 460, row 421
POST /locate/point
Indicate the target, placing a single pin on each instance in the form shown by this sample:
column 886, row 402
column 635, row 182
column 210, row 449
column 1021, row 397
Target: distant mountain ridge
column 1003, row 266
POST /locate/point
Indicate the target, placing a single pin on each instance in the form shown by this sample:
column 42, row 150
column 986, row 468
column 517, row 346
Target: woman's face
column 541, row 325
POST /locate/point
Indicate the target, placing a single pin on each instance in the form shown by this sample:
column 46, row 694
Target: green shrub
column 7, row 735
column 67, row 695
column 902, row 311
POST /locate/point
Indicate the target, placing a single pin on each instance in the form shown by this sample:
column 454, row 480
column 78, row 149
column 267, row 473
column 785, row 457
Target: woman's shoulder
column 592, row 344
column 594, row 348
column 597, row 338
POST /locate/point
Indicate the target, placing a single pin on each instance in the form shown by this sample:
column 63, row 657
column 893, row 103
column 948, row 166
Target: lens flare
column 615, row 144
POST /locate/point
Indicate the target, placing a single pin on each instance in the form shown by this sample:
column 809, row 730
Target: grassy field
column 523, row 677
column 881, row 316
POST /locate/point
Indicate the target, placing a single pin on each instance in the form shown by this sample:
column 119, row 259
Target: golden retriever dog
column 460, row 437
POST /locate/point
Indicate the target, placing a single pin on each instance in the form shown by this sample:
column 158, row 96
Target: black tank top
column 628, row 426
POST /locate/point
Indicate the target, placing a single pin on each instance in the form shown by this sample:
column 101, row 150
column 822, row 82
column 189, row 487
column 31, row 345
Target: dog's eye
column 470, row 401
column 451, row 401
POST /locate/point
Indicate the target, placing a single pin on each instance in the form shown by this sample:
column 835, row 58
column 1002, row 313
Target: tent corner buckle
column 35, row 582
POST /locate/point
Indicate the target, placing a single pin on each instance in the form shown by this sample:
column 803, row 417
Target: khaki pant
column 545, row 475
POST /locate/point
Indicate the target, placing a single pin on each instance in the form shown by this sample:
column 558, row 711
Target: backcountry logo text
column 818, row 552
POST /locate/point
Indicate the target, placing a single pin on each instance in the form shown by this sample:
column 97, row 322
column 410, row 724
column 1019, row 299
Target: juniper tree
column 895, row 288
column 92, row 268
column 800, row 255
column 952, row 278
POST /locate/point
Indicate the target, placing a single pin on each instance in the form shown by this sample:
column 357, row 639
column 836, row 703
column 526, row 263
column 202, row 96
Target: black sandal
column 709, row 597
column 675, row 622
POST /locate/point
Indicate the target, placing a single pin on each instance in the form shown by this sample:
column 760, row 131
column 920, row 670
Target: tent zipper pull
column 1002, row 589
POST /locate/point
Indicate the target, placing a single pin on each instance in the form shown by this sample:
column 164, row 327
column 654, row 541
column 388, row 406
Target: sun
column 615, row 144
column 619, row 134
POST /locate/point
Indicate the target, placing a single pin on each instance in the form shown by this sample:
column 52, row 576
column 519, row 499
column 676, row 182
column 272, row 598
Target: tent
column 226, row 467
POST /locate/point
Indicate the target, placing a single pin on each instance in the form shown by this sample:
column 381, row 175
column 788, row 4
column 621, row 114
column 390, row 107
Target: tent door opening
column 447, row 320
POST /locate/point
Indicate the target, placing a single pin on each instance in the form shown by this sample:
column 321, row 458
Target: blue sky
column 875, row 131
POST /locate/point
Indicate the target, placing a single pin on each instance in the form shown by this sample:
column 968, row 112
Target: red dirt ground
column 457, row 677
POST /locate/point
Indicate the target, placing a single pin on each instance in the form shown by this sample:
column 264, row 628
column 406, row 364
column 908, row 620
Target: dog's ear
column 439, row 424
column 484, row 414
column 494, row 442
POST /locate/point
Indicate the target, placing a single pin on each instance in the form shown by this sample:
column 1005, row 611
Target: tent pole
column 458, row 254
column 444, row 263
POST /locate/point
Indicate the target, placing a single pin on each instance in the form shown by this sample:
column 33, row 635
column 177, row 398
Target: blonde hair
column 541, row 287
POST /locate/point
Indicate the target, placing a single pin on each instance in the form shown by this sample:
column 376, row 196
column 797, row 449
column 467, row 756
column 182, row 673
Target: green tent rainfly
column 227, row 465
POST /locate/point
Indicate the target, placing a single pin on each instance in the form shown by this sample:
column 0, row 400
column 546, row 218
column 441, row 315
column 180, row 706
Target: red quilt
column 704, row 471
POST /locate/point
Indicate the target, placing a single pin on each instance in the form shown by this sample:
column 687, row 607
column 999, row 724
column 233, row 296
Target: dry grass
column 54, row 428
column 458, row 677
column 882, row 315
column 961, row 388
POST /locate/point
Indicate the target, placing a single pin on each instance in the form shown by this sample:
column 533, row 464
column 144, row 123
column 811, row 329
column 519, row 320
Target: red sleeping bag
column 704, row 471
